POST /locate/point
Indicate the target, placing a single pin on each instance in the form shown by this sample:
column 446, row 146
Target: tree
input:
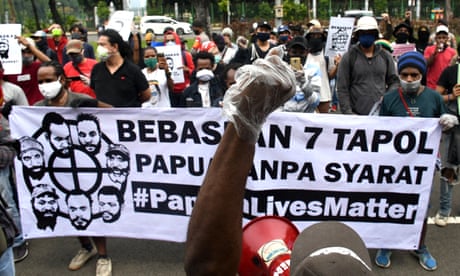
column 202, row 11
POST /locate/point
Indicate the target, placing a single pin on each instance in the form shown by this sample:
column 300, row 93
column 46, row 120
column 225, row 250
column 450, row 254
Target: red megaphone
column 266, row 247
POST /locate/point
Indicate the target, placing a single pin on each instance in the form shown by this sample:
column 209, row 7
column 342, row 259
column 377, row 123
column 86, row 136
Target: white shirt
column 157, row 80
column 203, row 89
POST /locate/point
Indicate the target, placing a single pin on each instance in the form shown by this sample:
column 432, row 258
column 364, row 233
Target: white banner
column 121, row 21
column 174, row 59
column 136, row 172
column 10, row 51
column 339, row 35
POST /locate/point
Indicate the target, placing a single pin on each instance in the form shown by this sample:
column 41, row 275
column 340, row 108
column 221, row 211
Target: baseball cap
column 42, row 189
column 442, row 28
column 330, row 248
column 29, row 143
column 265, row 25
column 118, row 149
column 74, row 46
column 314, row 22
column 299, row 41
column 283, row 28
column 38, row 34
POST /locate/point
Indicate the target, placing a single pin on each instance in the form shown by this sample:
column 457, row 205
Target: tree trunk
column 54, row 13
column 34, row 10
column 202, row 12
column 12, row 11
column 449, row 13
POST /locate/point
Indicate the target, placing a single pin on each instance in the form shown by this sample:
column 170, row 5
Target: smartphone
column 295, row 63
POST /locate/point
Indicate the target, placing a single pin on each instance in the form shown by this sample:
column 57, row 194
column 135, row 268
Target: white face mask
column 50, row 90
column 102, row 53
column 204, row 75
column 170, row 43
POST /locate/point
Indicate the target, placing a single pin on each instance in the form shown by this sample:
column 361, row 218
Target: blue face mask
column 366, row 40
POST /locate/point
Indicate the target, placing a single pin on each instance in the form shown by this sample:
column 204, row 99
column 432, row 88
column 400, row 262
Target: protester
column 78, row 69
column 41, row 43
column 27, row 79
column 403, row 34
column 451, row 40
column 230, row 48
column 449, row 87
column 423, row 35
column 328, row 66
column 438, row 56
column 199, row 28
column 160, row 80
column 366, row 71
column 52, row 81
column 205, row 90
column 57, row 41
column 115, row 80
column 171, row 38
column 261, row 46
column 11, row 94
column 77, row 31
column 414, row 100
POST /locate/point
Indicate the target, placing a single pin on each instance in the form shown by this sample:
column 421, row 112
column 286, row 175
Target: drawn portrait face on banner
column 79, row 206
column 89, row 133
column 58, row 134
column 110, row 202
column 32, row 158
column 118, row 163
column 45, row 206
column 4, row 48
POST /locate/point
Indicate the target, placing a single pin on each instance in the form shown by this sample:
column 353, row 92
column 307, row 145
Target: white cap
column 227, row 31
column 366, row 23
column 442, row 28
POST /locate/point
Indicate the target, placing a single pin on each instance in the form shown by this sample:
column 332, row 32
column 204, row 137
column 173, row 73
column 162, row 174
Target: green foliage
column 222, row 4
column 294, row 12
column 263, row 10
column 380, row 7
column 103, row 11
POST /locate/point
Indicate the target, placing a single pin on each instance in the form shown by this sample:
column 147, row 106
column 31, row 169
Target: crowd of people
column 58, row 70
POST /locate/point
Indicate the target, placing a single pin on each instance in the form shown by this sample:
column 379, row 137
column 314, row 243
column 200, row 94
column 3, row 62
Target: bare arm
column 37, row 53
column 216, row 222
column 145, row 95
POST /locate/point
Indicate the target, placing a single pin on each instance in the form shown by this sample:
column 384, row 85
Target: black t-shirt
column 448, row 80
column 120, row 89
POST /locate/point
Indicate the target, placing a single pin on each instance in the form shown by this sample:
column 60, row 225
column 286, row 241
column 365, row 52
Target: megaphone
column 266, row 246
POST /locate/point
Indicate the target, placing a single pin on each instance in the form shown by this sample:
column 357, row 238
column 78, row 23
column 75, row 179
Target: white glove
column 260, row 88
column 448, row 121
column 85, row 79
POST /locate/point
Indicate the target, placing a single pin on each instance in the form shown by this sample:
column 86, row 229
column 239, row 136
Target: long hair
column 115, row 38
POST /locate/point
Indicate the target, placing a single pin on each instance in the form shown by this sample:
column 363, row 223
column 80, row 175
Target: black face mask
column 316, row 44
column 423, row 36
column 402, row 37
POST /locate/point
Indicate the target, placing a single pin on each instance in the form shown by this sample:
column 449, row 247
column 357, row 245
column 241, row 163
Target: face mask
column 76, row 59
column 217, row 59
column 204, row 75
column 27, row 60
column 50, row 90
column 402, row 37
column 151, row 62
column 284, row 38
column 424, row 36
column 410, row 88
column 316, row 44
column 170, row 43
column 366, row 40
column 263, row 36
column 102, row 53
column 76, row 36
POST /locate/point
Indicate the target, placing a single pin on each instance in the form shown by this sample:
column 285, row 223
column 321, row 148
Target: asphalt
column 51, row 256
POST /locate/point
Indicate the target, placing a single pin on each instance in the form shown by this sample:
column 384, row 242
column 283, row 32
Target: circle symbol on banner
column 82, row 168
